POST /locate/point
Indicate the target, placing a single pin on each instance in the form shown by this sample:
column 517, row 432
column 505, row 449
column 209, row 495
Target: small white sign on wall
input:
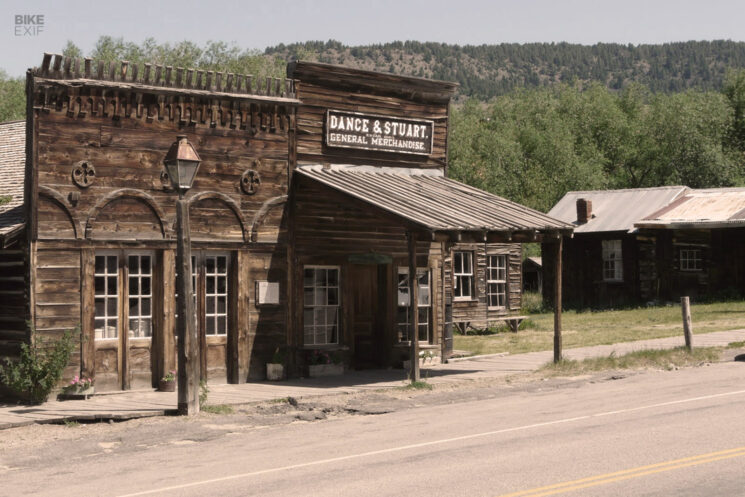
column 267, row 292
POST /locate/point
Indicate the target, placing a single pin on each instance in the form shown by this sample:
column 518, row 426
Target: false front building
column 315, row 197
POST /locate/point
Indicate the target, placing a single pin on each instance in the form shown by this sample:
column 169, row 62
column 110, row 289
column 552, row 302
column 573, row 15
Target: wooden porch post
column 413, row 309
column 557, row 301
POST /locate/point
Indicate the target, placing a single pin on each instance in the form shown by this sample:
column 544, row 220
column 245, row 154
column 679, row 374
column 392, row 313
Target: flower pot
column 275, row 372
column 315, row 370
column 166, row 386
column 77, row 393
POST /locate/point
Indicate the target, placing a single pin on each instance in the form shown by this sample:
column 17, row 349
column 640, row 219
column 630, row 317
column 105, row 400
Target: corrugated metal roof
column 435, row 203
column 615, row 210
column 12, row 167
column 709, row 208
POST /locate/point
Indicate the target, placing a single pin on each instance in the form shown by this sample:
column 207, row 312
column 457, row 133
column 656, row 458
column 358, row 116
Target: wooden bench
column 514, row 322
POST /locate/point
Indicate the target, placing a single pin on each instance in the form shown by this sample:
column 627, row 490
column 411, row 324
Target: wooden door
column 123, row 320
column 366, row 321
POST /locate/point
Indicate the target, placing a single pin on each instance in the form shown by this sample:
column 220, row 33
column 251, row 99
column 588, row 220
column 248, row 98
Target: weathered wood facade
column 298, row 241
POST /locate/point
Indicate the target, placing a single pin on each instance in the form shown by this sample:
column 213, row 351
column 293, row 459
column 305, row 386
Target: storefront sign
column 381, row 133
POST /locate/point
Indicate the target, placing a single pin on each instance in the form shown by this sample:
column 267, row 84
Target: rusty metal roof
column 615, row 210
column 707, row 208
column 12, row 168
column 434, row 202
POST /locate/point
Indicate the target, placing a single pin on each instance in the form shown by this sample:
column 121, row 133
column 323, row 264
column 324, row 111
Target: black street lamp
column 182, row 162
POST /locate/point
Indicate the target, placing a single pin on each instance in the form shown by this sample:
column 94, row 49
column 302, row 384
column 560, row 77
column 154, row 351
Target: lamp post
column 182, row 162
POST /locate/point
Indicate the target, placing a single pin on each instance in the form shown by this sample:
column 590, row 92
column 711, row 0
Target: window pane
column 222, row 284
column 308, row 276
column 210, row 265
column 333, row 277
column 210, row 301
column 100, row 285
column 111, row 285
column 221, row 304
column 111, row 264
column 458, row 262
column 111, row 307
column 100, row 307
column 222, row 265
column 145, row 307
column 308, row 296
column 134, row 286
column 333, row 296
column 100, row 264
column 134, row 264
column 210, row 326
column 221, row 326
column 210, row 285
column 134, row 309
column 320, row 278
column 319, row 317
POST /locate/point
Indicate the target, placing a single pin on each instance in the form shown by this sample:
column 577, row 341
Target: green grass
column 418, row 385
column 642, row 359
column 581, row 329
column 218, row 409
column 71, row 423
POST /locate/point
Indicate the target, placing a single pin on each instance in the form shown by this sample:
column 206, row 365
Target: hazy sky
column 258, row 24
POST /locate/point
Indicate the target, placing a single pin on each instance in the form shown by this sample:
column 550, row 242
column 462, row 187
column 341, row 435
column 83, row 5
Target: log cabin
column 317, row 197
column 647, row 245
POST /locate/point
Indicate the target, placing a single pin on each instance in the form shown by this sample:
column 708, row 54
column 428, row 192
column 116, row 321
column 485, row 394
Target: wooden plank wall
column 13, row 302
column 57, row 296
column 476, row 311
column 129, row 205
column 319, row 88
column 330, row 226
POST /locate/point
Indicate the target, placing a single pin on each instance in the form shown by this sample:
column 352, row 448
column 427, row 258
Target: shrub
column 39, row 368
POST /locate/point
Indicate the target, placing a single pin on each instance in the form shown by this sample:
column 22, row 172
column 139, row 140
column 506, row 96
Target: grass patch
column 281, row 400
column 71, row 423
column 418, row 385
column 582, row 329
column 218, row 409
column 641, row 359
column 736, row 345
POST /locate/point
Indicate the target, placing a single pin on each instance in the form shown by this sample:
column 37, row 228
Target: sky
column 259, row 24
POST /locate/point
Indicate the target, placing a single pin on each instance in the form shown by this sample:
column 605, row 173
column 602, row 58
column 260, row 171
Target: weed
column 71, row 423
column 418, row 385
column 736, row 345
column 203, row 392
column 219, row 409
column 642, row 359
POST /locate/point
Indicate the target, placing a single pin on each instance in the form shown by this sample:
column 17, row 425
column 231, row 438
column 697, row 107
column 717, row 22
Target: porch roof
column 435, row 203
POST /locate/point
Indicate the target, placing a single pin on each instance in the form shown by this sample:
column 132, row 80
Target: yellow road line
column 627, row 474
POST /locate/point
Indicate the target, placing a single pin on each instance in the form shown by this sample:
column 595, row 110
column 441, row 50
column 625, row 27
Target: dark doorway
column 368, row 310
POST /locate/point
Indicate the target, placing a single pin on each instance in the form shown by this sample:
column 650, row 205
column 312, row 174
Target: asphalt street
column 660, row 433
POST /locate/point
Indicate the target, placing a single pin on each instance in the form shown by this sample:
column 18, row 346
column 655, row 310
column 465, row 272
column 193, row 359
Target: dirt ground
column 33, row 445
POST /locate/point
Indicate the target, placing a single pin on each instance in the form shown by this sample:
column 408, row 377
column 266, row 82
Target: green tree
column 12, row 98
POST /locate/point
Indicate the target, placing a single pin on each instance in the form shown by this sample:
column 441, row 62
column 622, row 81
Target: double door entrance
column 130, row 304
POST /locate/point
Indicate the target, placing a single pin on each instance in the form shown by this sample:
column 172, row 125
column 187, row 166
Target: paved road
column 676, row 433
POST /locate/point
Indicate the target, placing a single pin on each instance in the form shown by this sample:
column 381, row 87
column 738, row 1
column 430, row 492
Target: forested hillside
column 567, row 117
column 487, row 71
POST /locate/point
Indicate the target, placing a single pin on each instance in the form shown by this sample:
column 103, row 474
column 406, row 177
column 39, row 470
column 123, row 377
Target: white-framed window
column 321, row 305
column 496, row 281
column 690, row 259
column 140, row 291
column 463, row 275
column 215, row 294
column 424, row 304
column 612, row 260
column 106, row 283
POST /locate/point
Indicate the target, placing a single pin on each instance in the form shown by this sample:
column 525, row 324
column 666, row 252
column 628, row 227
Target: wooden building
column 315, row 196
column 636, row 246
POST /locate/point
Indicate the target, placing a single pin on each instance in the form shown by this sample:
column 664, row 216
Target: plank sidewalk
column 143, row 403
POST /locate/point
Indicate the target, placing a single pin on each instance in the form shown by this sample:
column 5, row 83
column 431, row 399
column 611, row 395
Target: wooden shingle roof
column 12, row 167
column 435, row 203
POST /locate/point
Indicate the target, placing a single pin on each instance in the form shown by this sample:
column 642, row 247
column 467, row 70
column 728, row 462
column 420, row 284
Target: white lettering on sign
column 379, row 133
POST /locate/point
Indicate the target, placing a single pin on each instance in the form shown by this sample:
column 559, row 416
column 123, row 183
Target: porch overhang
column 441, row 207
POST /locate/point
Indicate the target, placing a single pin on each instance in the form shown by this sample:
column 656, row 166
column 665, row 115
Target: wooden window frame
column 463, row 276
column 686, row 260
column 403, row 326
column 107, row 295
column 338, row 307
column 216, row 315
column 497, row 282
column 139, row 296
column 611, row 263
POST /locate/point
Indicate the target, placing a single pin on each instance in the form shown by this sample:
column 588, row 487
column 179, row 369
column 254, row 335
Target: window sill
column 422, row 345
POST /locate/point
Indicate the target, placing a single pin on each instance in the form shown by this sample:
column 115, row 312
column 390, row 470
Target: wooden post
column 685, row 306
column 188, row 341
column 413, row 309
column 557, row 302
